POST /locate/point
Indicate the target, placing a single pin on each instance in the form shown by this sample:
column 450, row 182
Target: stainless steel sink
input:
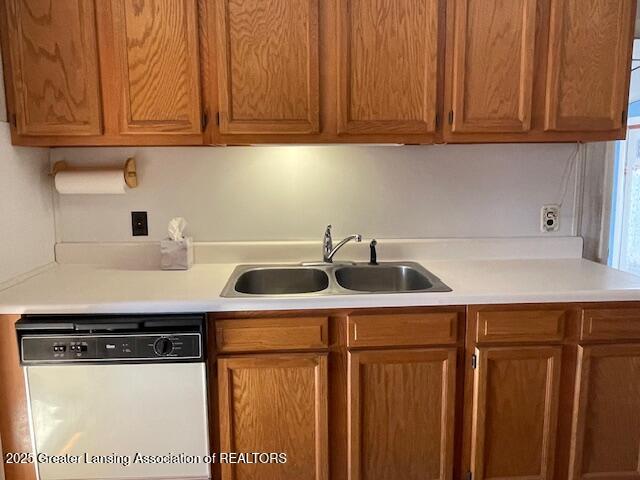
column 388, row 278
column 281, row 281
column 331, row 279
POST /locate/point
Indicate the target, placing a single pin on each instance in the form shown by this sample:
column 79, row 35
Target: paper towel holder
column 129, row 170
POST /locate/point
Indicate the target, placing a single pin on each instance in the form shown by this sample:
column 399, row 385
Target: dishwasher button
column 163, row 347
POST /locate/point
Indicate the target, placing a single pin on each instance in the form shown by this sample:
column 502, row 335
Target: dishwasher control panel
column 115, row 348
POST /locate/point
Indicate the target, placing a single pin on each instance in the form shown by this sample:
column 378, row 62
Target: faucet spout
column 331, row 251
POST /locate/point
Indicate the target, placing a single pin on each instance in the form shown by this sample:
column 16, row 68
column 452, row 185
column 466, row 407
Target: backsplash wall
column 26, row 206
column 291, row 193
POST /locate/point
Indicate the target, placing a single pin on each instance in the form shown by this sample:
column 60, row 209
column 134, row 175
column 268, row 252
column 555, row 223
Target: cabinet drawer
column 610, row 324
column 520, row 326
column 416, row 329
column 272, row 334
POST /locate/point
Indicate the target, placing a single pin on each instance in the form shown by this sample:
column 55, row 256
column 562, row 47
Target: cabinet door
column 588, row 69
column 388, row 66
column 605, row 439
column 516, row 394
column 54, row 66
column 493, row 58
column 268, row 66
column 275, row 403
column 401, row 414
column 157, row 46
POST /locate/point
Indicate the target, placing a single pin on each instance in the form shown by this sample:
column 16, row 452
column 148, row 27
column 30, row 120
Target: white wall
column 291, row 193
column 26, row 205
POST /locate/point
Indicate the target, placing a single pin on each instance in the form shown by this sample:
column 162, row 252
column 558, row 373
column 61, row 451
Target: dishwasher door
column 118, row 411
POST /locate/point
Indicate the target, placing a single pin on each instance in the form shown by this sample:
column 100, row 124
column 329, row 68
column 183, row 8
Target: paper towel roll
column 92, row 182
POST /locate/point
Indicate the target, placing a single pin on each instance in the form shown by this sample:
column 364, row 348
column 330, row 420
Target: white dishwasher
column 116, row 397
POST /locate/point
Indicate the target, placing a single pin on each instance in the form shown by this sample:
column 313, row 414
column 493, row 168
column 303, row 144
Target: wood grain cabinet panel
column 272, row 334
column 157, row 42
column 588, row 66
column 401, row 414
column 275, row 403
column 54, row 65
column 268, row 72
column 403, row 329
column 493, row 59
column 610, row 324
column 520, row 326
column 388, row 66
column 514, row 424
column 606, row 425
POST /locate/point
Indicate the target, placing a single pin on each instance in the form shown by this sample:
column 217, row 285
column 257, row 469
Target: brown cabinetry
column 402, row 401
column 540, row 392
column 588, row 69
column 537, row 70
column 268, row 70
column 275, row 403
column 515, row 406
column 388, row 64
column 156, row 47
column 87, row 72
column 493, row 55
column 606, row 426
column 605, row 429
column 275, row 400
column 401, row 414
column 513, row 390
column 53, row 58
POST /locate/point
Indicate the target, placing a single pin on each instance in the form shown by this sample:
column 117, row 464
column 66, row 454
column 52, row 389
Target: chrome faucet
column 328, row 250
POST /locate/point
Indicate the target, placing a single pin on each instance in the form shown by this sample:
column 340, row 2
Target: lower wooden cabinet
column 515, row 407
column 545, row 392
column 401, row 414
column 605, row 441
column 275, row 403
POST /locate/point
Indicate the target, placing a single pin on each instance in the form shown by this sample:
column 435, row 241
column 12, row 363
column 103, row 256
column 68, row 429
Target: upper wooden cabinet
column 157, row 48
column 54, row 67
column 588, row 73
column 493, row 60
column 388, row 63
column 145, row 72
column 268, row 74
column 89, row 72
column 537, row 70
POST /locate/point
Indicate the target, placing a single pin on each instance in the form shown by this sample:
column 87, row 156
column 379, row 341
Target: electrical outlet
column 550, row 218
column 139, row 225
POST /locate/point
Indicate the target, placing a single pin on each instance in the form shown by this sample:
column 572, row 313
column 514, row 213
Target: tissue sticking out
column 176, row 228
column 176, row 251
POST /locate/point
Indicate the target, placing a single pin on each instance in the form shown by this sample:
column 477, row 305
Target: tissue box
column 176, row 255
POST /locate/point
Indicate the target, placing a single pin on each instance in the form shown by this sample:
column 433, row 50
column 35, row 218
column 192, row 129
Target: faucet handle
column 328, row 230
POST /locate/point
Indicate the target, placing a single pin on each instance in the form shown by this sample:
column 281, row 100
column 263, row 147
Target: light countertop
column 98, row 289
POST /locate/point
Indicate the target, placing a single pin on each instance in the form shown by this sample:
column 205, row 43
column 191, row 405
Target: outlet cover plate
column 139, row 224
column 550, row 218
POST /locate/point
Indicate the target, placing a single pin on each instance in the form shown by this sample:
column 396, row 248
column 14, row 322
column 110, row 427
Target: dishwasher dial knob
column 163, row 347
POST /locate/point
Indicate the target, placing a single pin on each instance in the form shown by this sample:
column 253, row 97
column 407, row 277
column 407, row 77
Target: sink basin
column 388, row 278
column 281, row 281
column 331, row 279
